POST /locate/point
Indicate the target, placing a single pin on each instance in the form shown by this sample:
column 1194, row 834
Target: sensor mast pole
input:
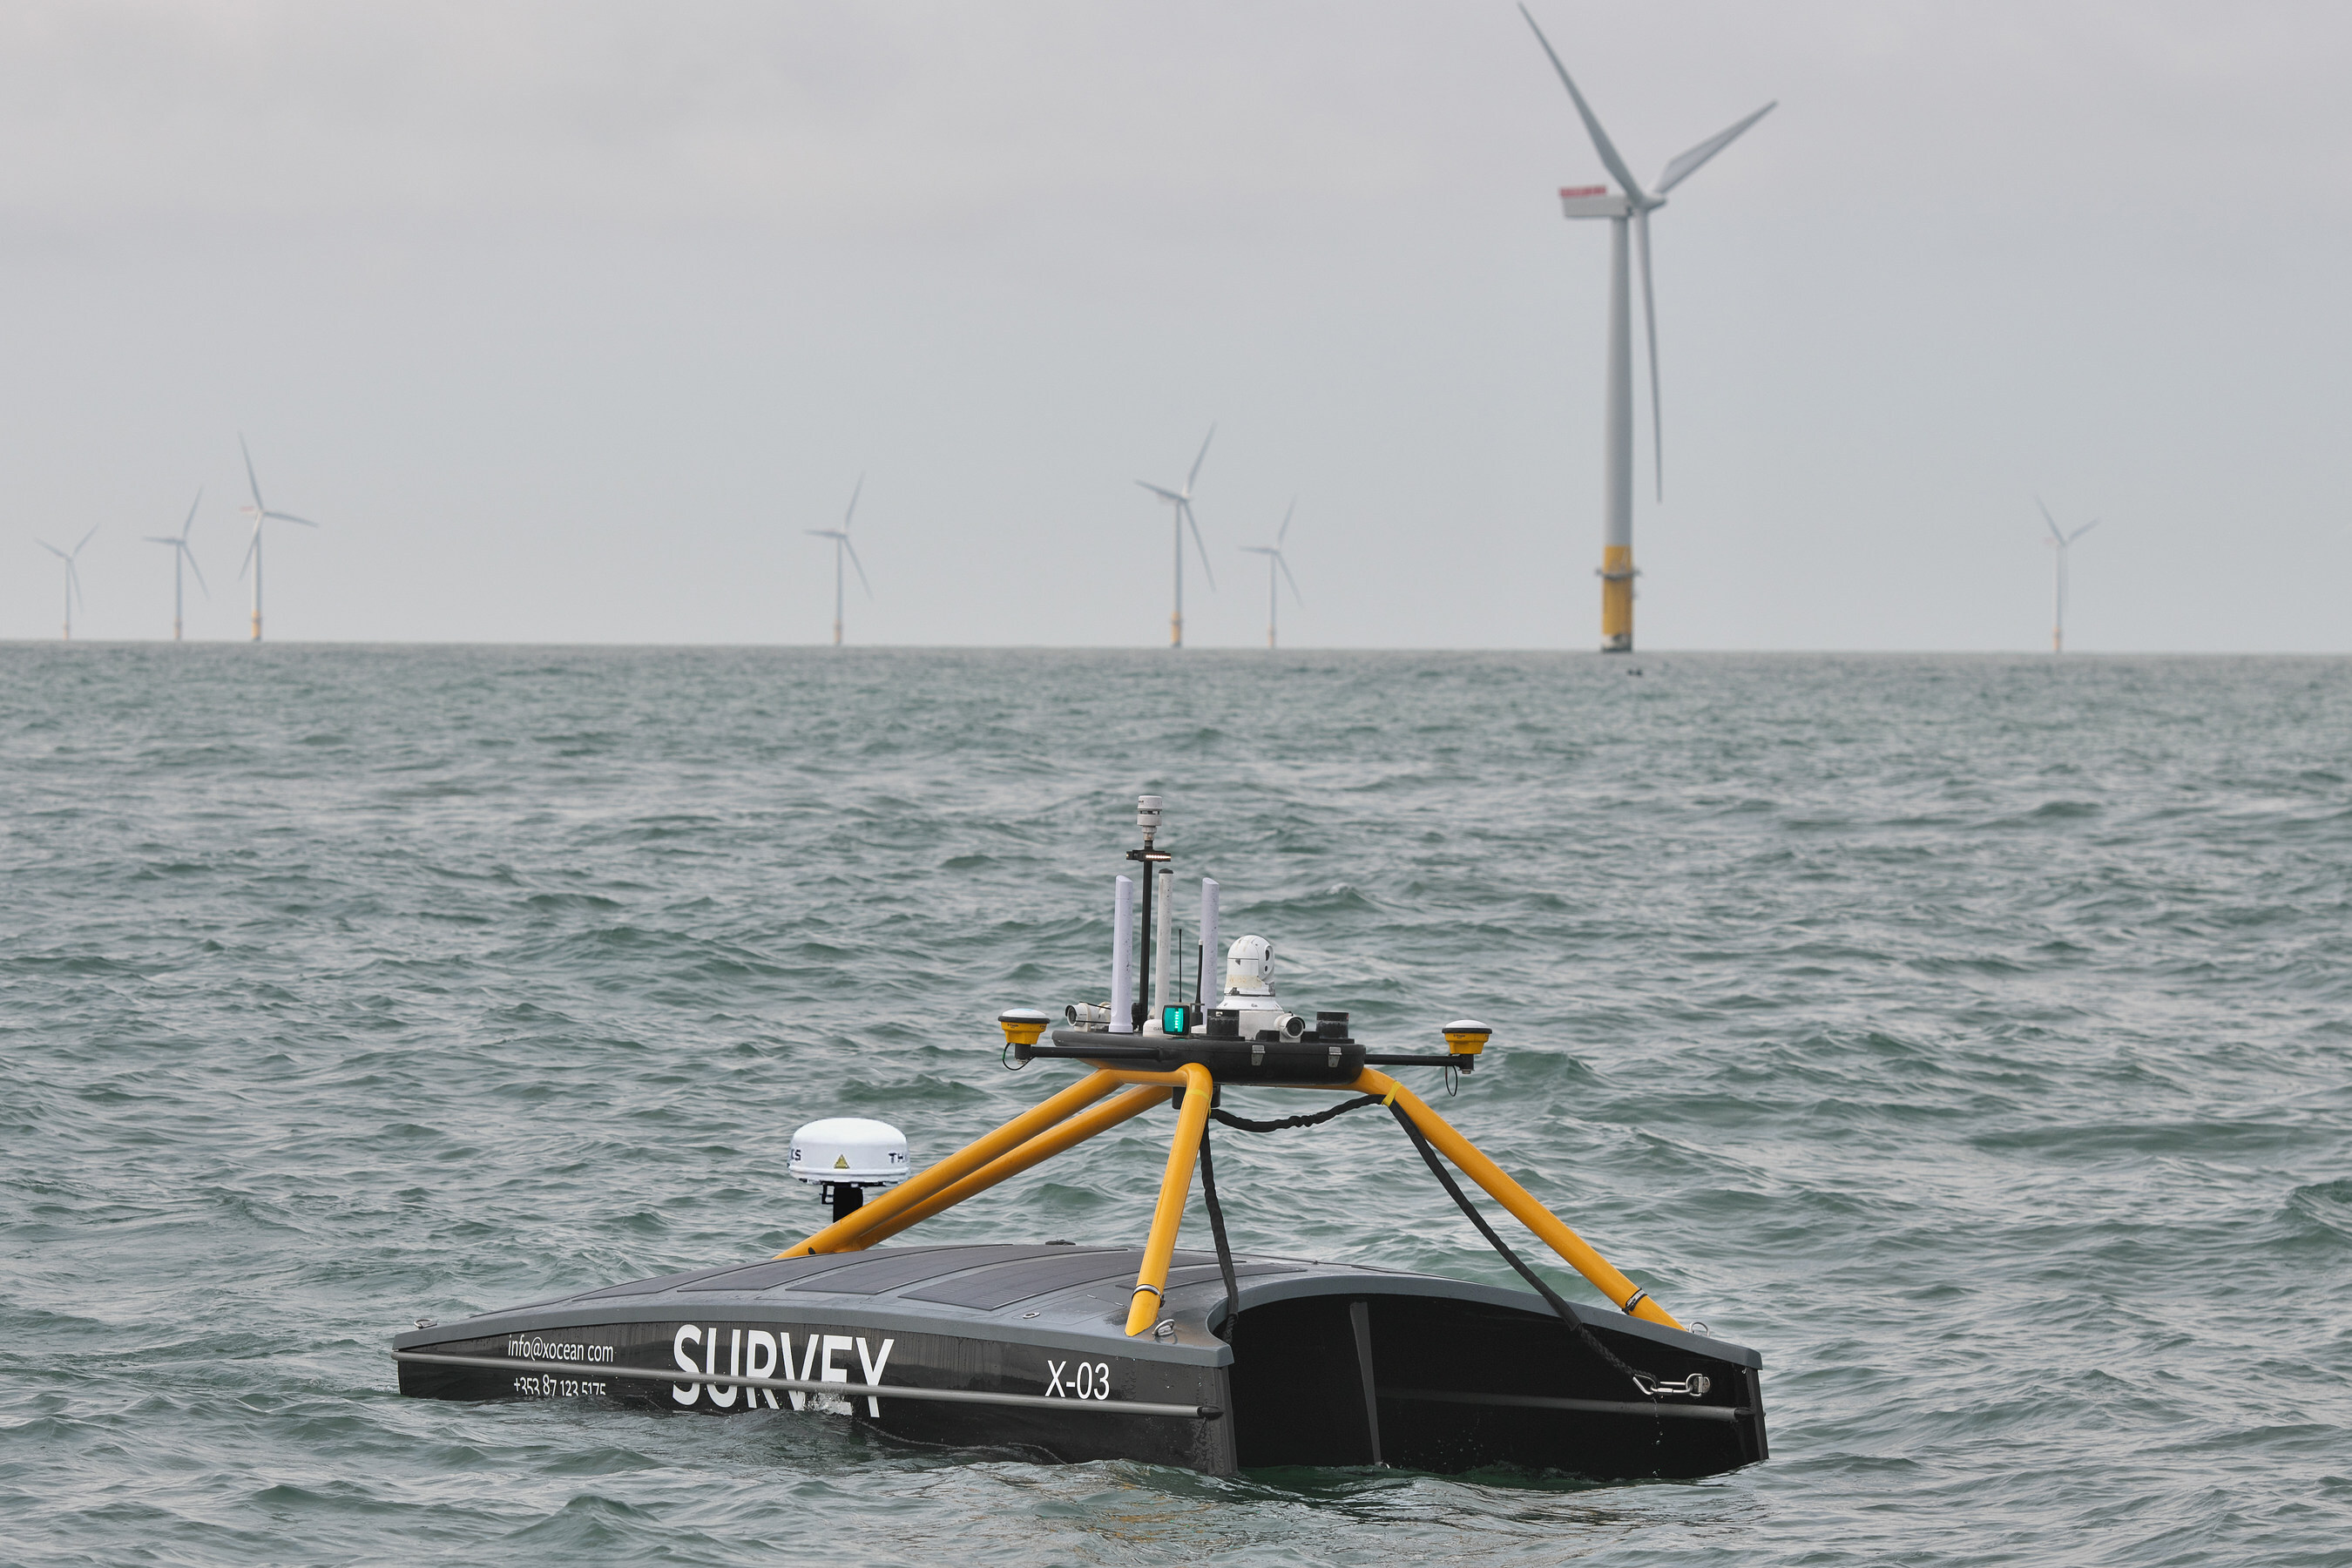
column 1147, row 818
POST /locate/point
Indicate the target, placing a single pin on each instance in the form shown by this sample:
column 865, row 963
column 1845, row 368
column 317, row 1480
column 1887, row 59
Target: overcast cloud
column 565, row 320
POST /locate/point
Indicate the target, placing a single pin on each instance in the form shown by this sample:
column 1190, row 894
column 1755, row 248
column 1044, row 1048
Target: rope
column 1566, row 1313
column 1245, row 1125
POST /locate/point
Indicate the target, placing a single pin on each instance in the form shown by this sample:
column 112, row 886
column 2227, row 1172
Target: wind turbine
column 841, row 546
column 1275, row 560
column 1631, row 207
column 182, row 557
column 73, row 578
column 260, row 513
column 2060, row 544
column 1182, row 501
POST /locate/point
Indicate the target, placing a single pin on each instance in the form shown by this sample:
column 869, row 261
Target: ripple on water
column 1968, row 1034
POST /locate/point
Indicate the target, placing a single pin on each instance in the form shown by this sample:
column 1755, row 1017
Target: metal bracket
column 1694, row 1386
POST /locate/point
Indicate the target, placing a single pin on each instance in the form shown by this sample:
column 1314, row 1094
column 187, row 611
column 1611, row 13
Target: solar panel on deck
column 666, row 1282
column 1211, row 1273
column 783, row 1270
column 1005, row 1283
column 887, row 1273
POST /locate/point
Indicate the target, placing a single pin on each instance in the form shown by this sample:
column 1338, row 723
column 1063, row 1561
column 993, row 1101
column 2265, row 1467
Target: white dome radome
column 849, row 1151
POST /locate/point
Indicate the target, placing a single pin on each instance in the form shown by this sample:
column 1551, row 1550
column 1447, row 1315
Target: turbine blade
column 1257, row 550
column 1295, row 595
column 290, row 517
column 251, row 545
column 160, row 538
column 257, row 504
column 1284, row 532
column 853, row 503
column 196, row 569
column 2050, row 520
column 2082, row 531
column 1164, row 495
column 1650, row 318
column 54, row 550
column 73, row 585
column 1601, row 142
column 1196, row 462
column 853, row 560
column 192, row 511
column 88, row 537
column 1687, row 164
column 1186, row 509
column 824, row 532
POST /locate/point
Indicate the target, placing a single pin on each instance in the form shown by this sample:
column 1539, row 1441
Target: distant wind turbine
column 1274, row 562
column 1631, row 206
column 1182, row 501
column 260, row 513
column 2060, row 544
column 182, row 560
column 841, row 546
column 73, row 577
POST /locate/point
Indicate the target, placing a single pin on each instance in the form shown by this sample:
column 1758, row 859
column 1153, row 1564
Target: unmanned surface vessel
column 1210, row 1360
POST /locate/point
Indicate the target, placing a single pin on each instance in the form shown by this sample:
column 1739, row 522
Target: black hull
column 918, row 1360
column 1330, row 1365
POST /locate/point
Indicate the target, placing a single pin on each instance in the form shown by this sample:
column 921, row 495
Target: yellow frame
column 1074, row 1115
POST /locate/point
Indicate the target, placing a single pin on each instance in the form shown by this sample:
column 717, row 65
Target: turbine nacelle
column 1598, row 201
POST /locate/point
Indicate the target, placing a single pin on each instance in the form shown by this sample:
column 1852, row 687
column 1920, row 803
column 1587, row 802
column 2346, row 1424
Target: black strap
column 1566, row 1313
column 1217, row 1229
column 1216, row 1210
column 1345, row 1106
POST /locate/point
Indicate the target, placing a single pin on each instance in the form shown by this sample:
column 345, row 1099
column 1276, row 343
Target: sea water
column 1969, row 1035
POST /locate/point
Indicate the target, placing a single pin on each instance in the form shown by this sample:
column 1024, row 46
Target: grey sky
column 566, row 319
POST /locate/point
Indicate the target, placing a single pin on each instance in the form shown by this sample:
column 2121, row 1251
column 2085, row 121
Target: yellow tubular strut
column 1042, row 1147
column 1175, row 1186
column 1066, row 1121
column 1514, row 1197
column 842, row 1233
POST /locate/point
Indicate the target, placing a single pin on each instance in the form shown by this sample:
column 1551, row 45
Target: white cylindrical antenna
column 1164, row 938
column 1210, row 952
column 1122, row 957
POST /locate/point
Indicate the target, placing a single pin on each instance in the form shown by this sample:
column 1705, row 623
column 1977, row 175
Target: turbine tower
column 73, row 577
column 1631, row 207
column 2060, row 544
column 1182, row 501
column 840, row 537
column 184, row 560
column 260, row 513
column 1273, row 561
